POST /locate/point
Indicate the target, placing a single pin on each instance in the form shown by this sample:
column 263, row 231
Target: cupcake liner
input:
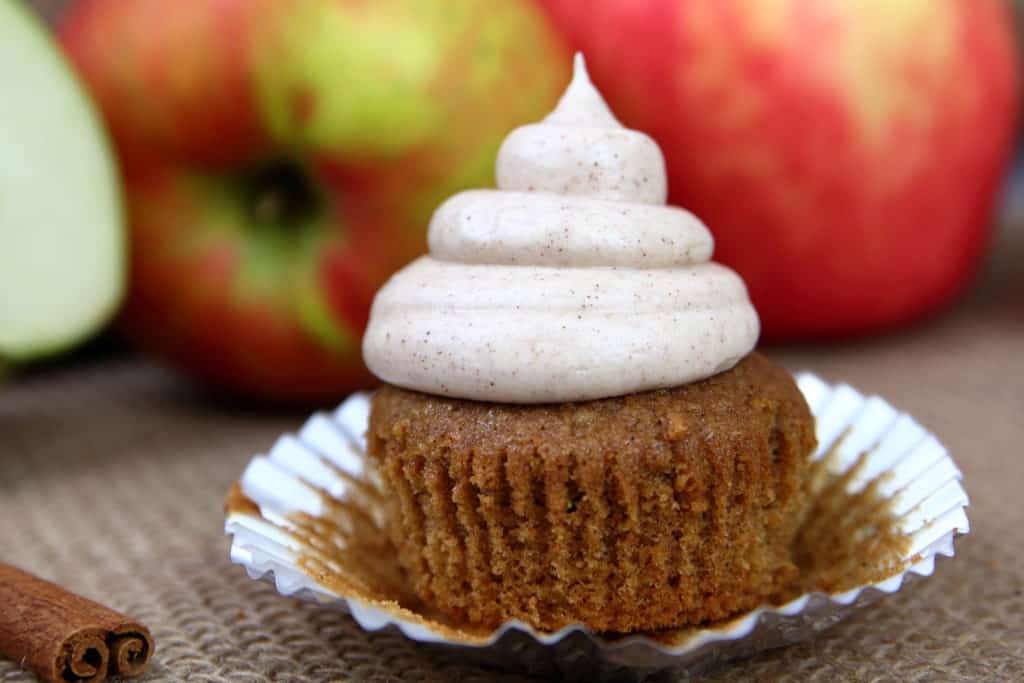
column 308, row 506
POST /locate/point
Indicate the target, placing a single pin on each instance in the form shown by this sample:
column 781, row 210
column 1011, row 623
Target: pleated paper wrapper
column 320, row 474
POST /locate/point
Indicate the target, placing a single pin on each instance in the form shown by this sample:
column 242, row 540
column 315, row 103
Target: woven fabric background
column 112, row 473
column 113, row 470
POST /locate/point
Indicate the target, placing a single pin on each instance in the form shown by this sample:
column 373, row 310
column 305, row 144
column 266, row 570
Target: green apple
column 61, row 238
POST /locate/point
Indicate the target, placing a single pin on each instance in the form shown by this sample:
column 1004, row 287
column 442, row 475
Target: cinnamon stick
column 64, row 637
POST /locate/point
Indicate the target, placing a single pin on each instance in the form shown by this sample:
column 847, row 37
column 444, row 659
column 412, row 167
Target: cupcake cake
column 574, row 426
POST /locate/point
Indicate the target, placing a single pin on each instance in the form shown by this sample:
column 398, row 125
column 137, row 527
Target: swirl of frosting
column 572, row 281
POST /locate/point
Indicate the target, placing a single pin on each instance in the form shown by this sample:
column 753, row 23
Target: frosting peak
column 582, row 104
column 572, row 281
column 581, row 149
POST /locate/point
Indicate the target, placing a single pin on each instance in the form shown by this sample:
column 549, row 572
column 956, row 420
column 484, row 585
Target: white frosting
column 570, row 282
column 581, row 149
column 520, row 228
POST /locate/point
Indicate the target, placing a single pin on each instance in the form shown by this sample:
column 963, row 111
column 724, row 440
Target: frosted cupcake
column 574, row 426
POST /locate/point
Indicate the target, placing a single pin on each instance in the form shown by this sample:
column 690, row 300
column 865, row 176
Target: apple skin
column 282, row 159
column 845, row 155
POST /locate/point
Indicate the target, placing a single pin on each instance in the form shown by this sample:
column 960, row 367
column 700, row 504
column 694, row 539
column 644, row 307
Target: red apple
column 282, row 158
column 845, row 155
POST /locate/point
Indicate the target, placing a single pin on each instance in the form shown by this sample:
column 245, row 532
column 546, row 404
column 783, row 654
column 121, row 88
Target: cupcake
column 574, row 427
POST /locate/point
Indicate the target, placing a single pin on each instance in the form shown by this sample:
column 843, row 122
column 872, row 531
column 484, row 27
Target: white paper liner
column 914, row 471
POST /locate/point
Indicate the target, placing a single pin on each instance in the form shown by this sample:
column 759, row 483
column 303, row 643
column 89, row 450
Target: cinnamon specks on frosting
column 571, row 281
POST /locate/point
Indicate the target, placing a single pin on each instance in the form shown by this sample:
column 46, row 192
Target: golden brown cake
column 651, row 510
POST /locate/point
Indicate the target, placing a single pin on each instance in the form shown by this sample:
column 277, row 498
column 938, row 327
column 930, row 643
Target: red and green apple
column 845, row 155
column 282, row 159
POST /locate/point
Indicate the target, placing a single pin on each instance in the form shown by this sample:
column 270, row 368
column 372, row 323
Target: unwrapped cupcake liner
column 315, row 478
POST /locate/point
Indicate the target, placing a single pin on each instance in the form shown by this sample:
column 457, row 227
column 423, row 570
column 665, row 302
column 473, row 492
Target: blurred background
column 222, row 186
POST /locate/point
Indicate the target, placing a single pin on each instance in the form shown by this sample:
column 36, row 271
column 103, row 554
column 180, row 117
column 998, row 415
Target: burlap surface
column 112, row 473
